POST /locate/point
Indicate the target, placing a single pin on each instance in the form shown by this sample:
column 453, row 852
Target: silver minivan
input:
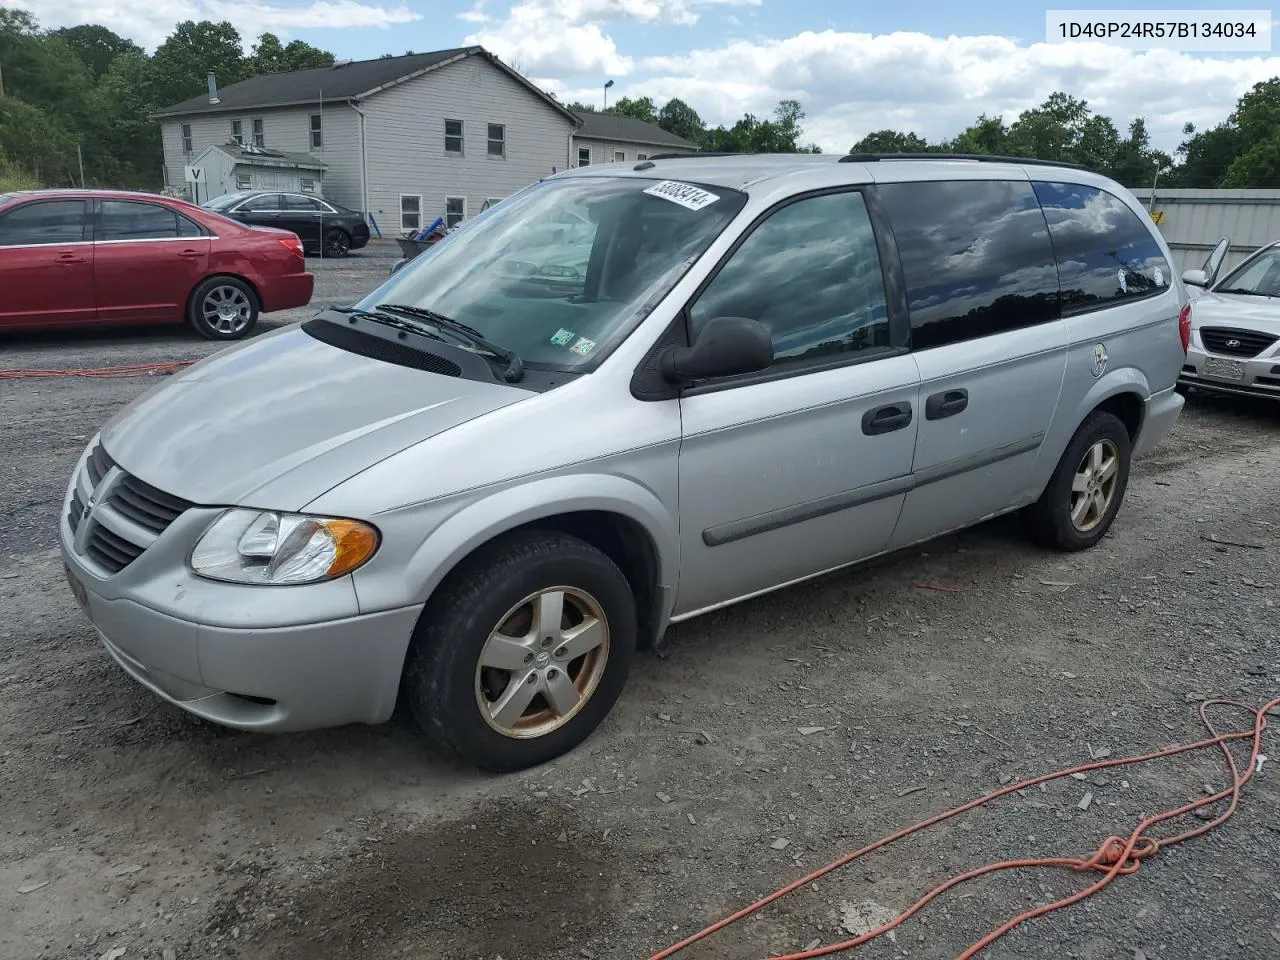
column 624, row 396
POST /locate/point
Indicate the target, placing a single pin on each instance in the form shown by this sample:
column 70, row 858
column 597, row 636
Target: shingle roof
column 338, row 82
column 608, row 126
column 260, row 156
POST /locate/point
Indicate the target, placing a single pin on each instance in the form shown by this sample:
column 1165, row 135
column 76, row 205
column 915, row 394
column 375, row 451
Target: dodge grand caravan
column 484, row 486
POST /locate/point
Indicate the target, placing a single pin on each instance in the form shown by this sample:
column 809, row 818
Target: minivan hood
column 276, row 421
column 1260, row 313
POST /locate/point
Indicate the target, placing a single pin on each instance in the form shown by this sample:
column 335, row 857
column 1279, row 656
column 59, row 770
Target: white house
column 606, row 138
column 406, row 139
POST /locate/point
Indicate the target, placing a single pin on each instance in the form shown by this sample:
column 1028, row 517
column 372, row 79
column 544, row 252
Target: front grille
column 1236, row 343
column 127, row 518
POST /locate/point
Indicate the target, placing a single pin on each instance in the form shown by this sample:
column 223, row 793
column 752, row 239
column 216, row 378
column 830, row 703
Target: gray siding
column 602, row 151
column 1195, row 220
column 286, row 128
column 404, row 134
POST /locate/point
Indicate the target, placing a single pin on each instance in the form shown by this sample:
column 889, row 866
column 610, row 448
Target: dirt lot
column 124, row 823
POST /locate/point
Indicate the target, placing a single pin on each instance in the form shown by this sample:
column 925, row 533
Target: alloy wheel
column 227, row 309
column 1093, row 487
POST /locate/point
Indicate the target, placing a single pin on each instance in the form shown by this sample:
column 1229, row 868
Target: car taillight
column 293, row 245
column 1184, row 327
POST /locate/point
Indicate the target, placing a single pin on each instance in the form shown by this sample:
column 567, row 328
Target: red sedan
column 70, row 258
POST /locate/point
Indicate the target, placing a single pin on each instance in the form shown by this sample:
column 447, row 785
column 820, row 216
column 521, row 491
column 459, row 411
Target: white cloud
column 151, row 23
column 533, row 39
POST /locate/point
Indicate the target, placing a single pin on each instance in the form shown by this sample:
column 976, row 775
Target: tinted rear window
column 976, row 258
column 1105, row 253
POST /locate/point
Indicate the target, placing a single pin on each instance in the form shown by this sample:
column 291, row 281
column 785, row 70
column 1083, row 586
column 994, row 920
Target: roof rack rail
column 690, row 156
column 980, row 157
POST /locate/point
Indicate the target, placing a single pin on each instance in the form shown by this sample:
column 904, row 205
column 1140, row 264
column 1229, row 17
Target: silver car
column 1235, row 325
column 482, row 489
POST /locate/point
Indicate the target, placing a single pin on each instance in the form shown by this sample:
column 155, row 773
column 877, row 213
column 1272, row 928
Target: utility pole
column 80, row 157
column 1, row 81
column 606, row 94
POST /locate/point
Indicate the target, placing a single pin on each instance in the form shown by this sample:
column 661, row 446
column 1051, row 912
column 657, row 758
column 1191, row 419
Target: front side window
column 453, row 136
column 317, row 131
column 811, row 274
column 455, row 211
column 129, row 220
column 410, row 213
column 1259, row 277
column 259, row 133
column 43, row 222
column 976, row 258
column 584, row 156
column 497, row 140
column 237, row 131
column 1105, row 253
column 187, row 145
column 564, row 269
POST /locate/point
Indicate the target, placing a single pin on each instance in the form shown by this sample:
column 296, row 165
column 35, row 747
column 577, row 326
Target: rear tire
column 1086, row 490
column 223, row 308
column 506, row 675
column 336, row 244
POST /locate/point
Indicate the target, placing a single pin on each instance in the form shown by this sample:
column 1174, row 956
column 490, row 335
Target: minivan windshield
column 563, row 270
column 1259, row 277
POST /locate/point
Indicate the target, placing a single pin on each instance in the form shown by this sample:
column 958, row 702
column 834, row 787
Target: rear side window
column 811, row 274
column 265, row 202
column 976, row 258
column 1105, row 253
column 131, row 220
column 43, row 222
column 295, row 203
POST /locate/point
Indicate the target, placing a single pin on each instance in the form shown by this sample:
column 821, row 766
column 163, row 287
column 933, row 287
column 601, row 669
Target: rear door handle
column 69, row 258
column 945, row 404
column 886, row 419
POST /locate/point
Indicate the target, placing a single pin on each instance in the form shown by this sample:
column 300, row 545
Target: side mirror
column 727, row 346
column 1195, row 278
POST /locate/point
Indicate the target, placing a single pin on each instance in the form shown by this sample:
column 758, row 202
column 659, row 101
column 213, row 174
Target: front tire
column 1084, row 494
column 523, row 651
column 223, row 308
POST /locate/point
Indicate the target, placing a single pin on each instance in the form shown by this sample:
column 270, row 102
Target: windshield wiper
column 1250, row 293
column 515, row 366
column 387, row 321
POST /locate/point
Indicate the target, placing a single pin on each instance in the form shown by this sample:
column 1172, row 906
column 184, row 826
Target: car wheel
column 223, row 308
column 337, row 243
column 523, row 651
column 1086, row 490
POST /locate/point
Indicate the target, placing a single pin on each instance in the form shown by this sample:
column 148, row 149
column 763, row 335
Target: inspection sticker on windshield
column 583, row 346
column 563, row 337
column 691, row 197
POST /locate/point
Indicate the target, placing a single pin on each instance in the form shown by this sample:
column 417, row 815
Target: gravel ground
column 126, row 824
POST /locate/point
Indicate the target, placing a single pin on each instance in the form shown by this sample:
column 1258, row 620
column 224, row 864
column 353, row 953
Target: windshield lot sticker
column 688, row 196
column 583, row 346
column 563, row 337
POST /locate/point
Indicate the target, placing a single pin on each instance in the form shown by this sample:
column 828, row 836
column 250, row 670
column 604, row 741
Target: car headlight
column 265, row 547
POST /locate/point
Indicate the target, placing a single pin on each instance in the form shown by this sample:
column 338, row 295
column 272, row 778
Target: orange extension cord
column 1115, row 857
column 125, row 370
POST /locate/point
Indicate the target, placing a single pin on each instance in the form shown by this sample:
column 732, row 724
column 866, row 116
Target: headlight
column 263, row 547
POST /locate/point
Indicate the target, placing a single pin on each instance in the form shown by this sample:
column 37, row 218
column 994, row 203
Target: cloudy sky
column 858, row 67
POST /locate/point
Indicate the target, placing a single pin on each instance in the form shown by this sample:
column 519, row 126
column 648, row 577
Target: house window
column 410, row 212
column 259, row 136
column 584, row 156
column 243, row 181
column 642, row 156
column 492, row 201
column 237, row 131
column 455, row 211
column 307, row 185
column 619, row 156
column 497, row 140
column 187, row 146
column 453, row 136
column 317, row 131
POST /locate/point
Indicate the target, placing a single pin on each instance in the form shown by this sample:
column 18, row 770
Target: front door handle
column 945, row 404
column 189, row 254
column 886, row 419
column 69, row 258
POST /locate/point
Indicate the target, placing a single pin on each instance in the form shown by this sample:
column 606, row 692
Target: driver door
column 803, row 467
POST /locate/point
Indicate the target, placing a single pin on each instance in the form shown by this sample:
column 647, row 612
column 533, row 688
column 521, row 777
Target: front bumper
column 1259, row 376
column 254, row 658
column 287, row 291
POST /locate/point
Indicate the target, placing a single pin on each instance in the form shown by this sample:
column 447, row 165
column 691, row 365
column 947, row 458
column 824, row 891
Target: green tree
column 271, row 56
column 96, row 46
column 1206, row 157
column 890, row 141
column 678, row 118
column 753, row 135
column 180, row 64
column 37, row 142
column 129, row 136
column 641, row 108
column 1259, row 166
column 987, row 136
